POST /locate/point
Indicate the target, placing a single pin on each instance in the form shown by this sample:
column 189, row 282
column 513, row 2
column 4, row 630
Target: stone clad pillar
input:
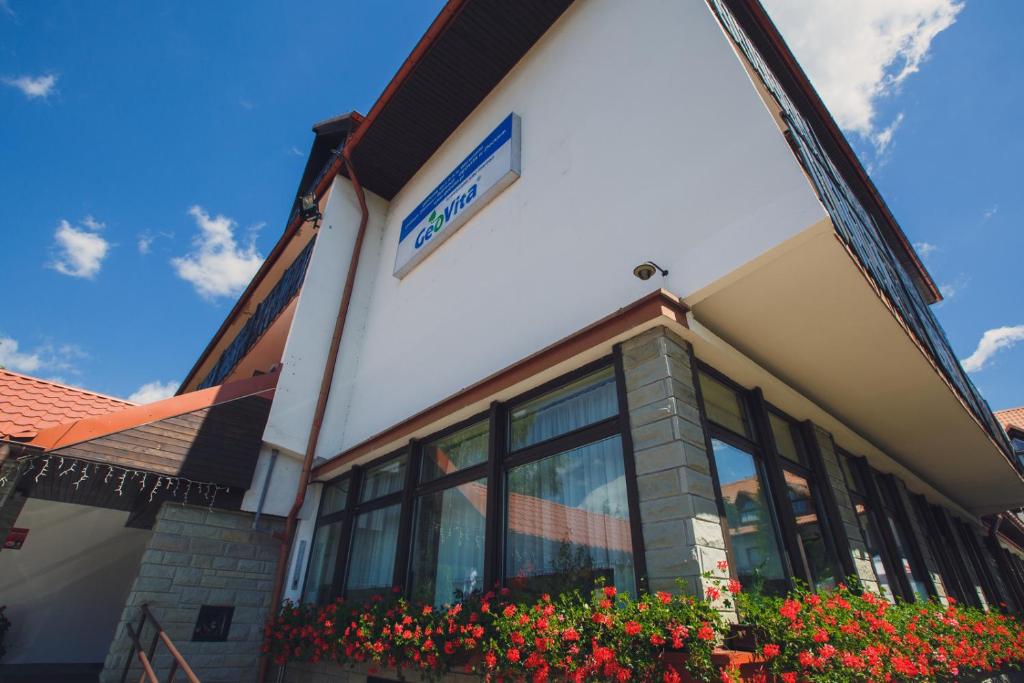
column 682, row 530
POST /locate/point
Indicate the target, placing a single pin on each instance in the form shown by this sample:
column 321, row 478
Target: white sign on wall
column 489, row 169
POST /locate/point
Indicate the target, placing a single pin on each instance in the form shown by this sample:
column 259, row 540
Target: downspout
column 321, row 403
column 438, row 26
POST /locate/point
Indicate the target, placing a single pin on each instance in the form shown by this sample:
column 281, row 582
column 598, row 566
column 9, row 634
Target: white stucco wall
column 642, row 138
column 65, row 588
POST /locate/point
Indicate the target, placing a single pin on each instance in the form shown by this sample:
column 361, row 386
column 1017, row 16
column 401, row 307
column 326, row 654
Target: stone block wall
column 682, row 529
column 196, row 557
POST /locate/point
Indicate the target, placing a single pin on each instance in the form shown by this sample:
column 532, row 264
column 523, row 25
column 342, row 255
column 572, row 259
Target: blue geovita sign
column 489, row 169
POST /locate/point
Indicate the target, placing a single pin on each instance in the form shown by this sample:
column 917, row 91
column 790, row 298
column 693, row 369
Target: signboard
column 15, row 539
column 489, row 169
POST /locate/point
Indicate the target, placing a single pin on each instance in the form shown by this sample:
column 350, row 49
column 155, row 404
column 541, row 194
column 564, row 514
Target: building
column 594, row 290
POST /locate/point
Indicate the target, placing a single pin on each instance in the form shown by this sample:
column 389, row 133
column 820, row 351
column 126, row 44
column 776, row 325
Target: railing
column 145, row 657
column 860, row 232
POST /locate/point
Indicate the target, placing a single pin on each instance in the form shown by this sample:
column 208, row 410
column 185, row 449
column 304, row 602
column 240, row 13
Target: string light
column 44, row 468
column 65, row 465
column 85, row 475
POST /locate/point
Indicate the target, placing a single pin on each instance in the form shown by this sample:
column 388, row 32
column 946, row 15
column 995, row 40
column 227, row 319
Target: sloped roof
column 1011, row 417
column 29, row 404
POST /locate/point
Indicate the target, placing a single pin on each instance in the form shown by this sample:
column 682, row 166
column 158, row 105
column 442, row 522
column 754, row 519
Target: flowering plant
column 607, row 636
column 845, row 635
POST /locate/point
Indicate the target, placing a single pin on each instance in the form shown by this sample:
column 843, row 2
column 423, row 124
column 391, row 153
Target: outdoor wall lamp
column 310, row 210
column 647, row 269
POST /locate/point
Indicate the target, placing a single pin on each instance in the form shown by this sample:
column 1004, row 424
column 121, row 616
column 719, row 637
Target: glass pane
column 850, row 474
column 323, row 559
column 810, row 533
column 755, row 543
column 334, row 498
column 578, row 404
column 904, row 560
column 874, row 545
column 371, row 562
column 383, row 479
column 785, row 443
column 448, row 544
column 464, row 448
column 568, row 522
column 722, row 405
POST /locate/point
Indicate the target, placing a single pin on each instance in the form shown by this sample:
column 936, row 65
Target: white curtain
column 581, row 403
column 371, row 562
column 448, row 551
column 568, row 520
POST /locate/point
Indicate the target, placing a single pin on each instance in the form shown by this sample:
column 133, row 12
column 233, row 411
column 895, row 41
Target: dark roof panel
column 476, row 51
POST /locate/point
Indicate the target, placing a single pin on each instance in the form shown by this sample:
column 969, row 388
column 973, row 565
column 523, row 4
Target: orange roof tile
column 29, row 404
column 1012, row 417
column 124, row 417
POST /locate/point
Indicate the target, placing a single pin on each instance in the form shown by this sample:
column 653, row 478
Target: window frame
column 771, row 466
column 872, row 480
column 494, row 470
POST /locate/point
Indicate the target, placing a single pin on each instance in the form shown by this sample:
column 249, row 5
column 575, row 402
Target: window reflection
column 464, row 448
column 448, row 543
column 371, row 562
column 323, row 559
column 577, row 404
column 810, row 535
column 568, row 522
column 752, row 530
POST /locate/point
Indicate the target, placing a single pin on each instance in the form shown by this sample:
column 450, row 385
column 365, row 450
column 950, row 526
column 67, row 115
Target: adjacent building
column 596, row 290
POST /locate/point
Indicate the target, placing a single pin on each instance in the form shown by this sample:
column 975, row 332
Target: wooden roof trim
column 774, row 49
column 658, row 304
column 87, row 429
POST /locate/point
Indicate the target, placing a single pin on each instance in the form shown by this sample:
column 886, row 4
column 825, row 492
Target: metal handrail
column 148, row 675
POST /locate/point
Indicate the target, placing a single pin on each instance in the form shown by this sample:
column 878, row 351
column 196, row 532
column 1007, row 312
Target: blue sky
column 150, row 153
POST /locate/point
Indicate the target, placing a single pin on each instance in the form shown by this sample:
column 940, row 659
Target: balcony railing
column 861, row 234
column 266, row 313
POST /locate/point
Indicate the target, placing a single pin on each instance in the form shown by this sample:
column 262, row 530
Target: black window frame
column 880, row 491
column 771, row 466
column 494, row 470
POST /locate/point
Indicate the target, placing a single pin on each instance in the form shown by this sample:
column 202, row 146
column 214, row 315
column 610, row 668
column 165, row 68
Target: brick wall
column 682, row 529
column 200, row 557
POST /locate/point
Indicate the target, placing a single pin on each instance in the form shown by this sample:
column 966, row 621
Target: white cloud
column 989, row 213
column 5, row 7
column 295, row 151
column 857, row 52
column 951, row 289
column 93, row 224
column 46, row 357
column 153, row 391
column 34, row 86
column 145, row 240
column 12, row 359
column 883, row 138
column 991, row 342
column 217, row 266
column 925, row 249
column 80, row 253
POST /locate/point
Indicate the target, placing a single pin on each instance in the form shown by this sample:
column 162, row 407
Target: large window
column 375, row 526
column 323, row 557
column 886, row 527
column 813, row 542
column 868, row 524
column 766, row 479
column 449, row 535
column 538, row 494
